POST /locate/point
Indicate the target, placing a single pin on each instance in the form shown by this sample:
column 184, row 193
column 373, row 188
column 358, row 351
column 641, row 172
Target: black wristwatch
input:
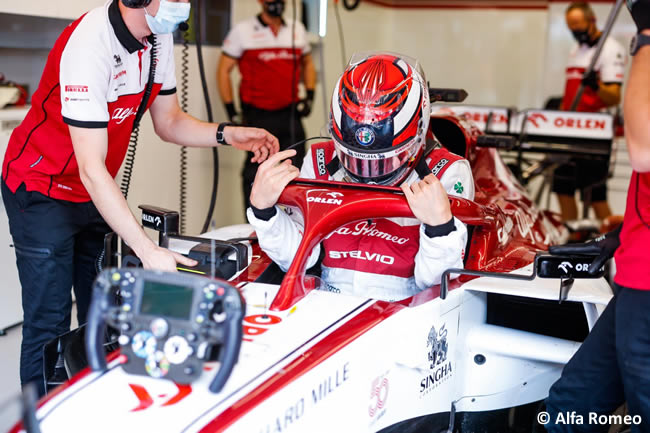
column 637, row 42
column 221, row 138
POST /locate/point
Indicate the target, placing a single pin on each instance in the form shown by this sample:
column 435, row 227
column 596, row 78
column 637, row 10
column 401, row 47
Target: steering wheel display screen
column 160, row 299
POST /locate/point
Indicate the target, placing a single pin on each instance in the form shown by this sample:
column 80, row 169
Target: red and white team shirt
column 381, row 258
column 94, row 77
column 610, row 68
column 266, row 62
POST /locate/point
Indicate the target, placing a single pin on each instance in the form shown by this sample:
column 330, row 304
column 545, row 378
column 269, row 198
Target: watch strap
column 221, row 138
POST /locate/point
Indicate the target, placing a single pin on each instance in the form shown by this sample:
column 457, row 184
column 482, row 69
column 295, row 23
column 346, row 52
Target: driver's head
column 380, row 117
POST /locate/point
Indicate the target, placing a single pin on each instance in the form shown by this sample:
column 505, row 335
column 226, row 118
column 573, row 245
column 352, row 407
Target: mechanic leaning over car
column 613, row 364
column 270, row 72
column 379, row 122
column 602, row 89
column 58, row 173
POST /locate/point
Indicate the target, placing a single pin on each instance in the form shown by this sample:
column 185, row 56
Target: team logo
column 536, row 119
column 118, row 60
column 365, row 136
column 437, row 344
column 565, row 266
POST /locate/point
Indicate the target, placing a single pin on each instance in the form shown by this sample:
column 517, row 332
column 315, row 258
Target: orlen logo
column 535, row 119
column 121, row 114
column 565, row 266
column 82, row 89
column 151, row 219
column 331, row 197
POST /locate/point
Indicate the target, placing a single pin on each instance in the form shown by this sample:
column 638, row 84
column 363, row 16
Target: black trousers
column 278, row 123
column 57, row 244
column 611, row 367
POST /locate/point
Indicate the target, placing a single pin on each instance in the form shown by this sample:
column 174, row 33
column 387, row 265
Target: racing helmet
column 379, row 117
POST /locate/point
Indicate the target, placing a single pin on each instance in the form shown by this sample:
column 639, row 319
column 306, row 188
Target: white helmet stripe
column 403, row 66
column 336, row 108
column 408, row 110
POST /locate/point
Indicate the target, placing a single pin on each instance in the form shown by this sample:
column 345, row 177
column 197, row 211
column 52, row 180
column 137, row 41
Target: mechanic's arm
column 224, row 84
column 309, row 72
column 637, row 110
column 174, row 126
column 279, row 236
column 610, row 93
column 90, row 147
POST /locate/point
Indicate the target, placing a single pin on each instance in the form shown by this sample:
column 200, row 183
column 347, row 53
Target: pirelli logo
column 439, row 166
column 82, row 89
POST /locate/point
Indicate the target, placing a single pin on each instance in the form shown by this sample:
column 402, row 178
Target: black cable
column 129, row 161
column 292, row 118
column 344, row 58
column 183, row 158
column 351, row 6
column 294, row 145
column 636, row 203
column 208, row 107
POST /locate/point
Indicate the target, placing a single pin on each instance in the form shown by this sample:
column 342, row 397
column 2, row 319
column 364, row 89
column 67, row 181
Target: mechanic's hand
column 271, row 179
column 304, row 106
column 640, row 11
column 591, row 80
column 233, row 115
column 163, row 259
column 428, row 200
column 255, row 140
column 603, row 247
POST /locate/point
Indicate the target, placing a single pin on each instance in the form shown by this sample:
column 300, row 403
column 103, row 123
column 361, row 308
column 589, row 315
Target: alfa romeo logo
column 365, row 136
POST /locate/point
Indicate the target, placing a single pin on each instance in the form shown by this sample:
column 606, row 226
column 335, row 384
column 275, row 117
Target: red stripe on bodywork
column 330, row 345
column 143, row 397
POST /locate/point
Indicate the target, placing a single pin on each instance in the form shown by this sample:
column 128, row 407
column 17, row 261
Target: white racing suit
column 383, row 258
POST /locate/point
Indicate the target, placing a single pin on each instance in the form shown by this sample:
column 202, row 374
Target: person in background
column 613, row 364
column 602, row 90
column 271, row 63
column 58, row 183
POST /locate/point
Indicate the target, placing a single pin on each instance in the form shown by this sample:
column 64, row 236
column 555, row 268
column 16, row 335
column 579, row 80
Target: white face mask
column 169, row 16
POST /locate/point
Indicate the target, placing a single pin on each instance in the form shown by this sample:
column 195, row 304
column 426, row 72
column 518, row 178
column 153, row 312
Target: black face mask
column 582, row 36
column 274, row 8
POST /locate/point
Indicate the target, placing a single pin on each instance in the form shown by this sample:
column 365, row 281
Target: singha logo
column 438, row 343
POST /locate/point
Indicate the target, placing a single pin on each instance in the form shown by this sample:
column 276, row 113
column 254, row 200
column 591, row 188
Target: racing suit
column 384, row 258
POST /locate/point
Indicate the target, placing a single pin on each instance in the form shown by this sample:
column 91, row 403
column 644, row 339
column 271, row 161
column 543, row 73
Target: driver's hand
column 256, row 140
column 428, row 201
column 162, row 259
column 272, row 177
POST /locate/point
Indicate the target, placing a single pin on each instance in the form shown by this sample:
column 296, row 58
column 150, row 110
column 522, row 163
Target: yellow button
column 116, row 276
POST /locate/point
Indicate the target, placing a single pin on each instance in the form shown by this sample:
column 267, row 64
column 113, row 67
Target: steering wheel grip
column 230, row 350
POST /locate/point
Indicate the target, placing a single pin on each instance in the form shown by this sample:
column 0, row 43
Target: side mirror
column 162, row 220
column 548, row 266
column 497, row 141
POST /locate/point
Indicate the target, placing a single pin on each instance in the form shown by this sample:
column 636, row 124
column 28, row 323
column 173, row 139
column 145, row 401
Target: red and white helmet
column 379, row 117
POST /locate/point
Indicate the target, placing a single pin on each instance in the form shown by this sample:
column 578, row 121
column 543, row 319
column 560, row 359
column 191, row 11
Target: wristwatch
column 637, row 42
column 221, row 137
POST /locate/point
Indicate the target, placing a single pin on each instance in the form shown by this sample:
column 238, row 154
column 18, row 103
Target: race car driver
column 58, row 173
column 612, row 366
column 378, row 123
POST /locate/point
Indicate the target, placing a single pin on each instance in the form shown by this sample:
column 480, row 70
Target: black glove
column 603, row 247
column 591, row 80
column 640, row 11
column 233, row 115
column 303, row 107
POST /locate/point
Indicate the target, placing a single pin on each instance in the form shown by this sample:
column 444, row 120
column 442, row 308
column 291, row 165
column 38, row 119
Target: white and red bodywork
column 323, row 362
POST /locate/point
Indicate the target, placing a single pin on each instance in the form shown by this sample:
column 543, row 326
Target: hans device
column 169, row 324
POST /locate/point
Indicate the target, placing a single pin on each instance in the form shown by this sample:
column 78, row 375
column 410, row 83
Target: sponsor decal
column 121, row 114
column 378, row 398
column 458, row 187
column 439, row 166
column 365, row 136
column 319, row 392
column 267, row 56
column 146, row 400
column 536, row 119
column 330, row 197
column 118, row 60
column 565, row 266
column 151, row 219
column 364, row 228
column 568, row 122
column 440, row 367
column 258, row 324
column 76, row 89
column 362, row 255
column 320, row 162
column 67, row 188
column 120, row 74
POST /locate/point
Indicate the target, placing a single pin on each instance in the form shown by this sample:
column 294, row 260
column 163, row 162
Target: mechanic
column 271, row 63
column 613, row 364
column 602, row 89
column 58, row 173
column 380, row 110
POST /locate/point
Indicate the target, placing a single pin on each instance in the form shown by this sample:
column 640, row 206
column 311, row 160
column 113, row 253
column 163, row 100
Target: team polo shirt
column 632, row 268
column 610, row 68
column 95, row 77
column 266, row 62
